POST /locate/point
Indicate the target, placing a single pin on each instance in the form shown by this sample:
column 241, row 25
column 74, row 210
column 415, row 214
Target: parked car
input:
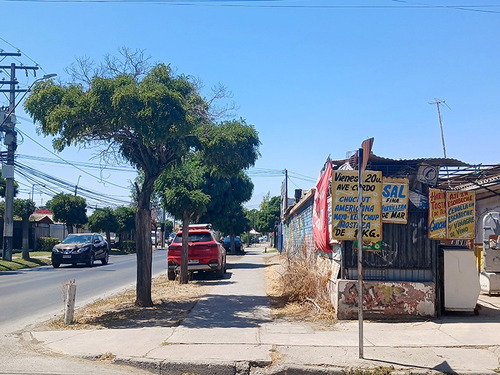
column 205, row 253
column 238, row 247
column 80, row 248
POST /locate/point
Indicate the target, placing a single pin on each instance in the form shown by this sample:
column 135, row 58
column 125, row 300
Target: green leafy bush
column 127, row 246
column 46, row 243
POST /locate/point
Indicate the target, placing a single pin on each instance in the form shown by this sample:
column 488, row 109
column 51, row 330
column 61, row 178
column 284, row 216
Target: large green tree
column 180, row 189
column 148, row 120
column 69, row 209
column 269, row 214
column 126, row 221
column 225, row 209
column 104, row 220
column 24, row 208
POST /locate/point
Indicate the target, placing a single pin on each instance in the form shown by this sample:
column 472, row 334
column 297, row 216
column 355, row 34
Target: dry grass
column 172, row 303
column 297, row 290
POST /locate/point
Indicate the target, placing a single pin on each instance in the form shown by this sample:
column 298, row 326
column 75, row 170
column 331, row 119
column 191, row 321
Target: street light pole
column 10, row 140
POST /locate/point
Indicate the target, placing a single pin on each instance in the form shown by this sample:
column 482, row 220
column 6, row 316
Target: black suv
column 81, row 248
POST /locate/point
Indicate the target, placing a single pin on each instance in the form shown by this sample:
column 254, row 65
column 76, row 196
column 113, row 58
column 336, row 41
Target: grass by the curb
column 37, row 258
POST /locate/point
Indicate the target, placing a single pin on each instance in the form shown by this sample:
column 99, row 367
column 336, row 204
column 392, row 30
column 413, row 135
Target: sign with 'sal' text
column 460, row 214
column 437, row 214
column 345, row 205
column 395, row 198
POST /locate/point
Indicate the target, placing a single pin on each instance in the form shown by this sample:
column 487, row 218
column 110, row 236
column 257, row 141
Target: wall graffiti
column 387, row 298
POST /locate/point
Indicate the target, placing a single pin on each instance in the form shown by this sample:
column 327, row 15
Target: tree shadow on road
column 229, row 311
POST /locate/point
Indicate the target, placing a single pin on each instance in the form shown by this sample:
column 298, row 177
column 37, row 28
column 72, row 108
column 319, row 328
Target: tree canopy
column 104, row 220
column 268, row 214
column 149, row 117
column 69, row 209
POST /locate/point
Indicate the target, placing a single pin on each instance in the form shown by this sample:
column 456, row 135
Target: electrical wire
column 69, row 163
column 55, row 185
column 481, row 8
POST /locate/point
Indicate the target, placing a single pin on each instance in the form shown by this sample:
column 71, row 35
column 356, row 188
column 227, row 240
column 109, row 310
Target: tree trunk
column 143, row 245
column 26, row 239
column 186, row 218
column 108, row 238
column 69, row 227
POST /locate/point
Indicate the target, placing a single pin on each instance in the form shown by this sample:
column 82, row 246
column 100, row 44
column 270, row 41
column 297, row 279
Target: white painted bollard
column 69, row 301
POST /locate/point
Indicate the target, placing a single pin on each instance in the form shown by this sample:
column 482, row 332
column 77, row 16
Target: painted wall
column 298, row 234
column 383, row 299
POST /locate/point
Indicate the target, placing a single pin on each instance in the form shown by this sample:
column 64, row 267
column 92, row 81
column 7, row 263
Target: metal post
column 8, row 171
column 360, row 250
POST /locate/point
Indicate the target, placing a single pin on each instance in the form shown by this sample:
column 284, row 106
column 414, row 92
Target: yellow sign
column 461, row 214
column 345, row 205
column 437, row 214
column 395, row 197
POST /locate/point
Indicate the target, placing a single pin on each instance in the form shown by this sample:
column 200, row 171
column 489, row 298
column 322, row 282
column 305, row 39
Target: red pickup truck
column 205, row 253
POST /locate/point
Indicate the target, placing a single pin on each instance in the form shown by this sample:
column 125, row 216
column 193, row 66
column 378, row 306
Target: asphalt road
column 33, row 295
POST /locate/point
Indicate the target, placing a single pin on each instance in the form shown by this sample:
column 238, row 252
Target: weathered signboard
column 461, row 214
column 437, row 214
column 345, row 205
column 395, row 197
column 451, row 215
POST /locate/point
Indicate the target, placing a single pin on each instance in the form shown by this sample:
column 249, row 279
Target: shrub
column 46, row 243
column 127, row 246
column 304, row 278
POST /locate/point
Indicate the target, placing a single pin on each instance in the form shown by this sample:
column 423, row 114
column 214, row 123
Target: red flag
column 320, row 211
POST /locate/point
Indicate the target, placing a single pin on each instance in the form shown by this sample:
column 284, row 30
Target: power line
column 55, row 185
column 69, row 163
column 480, row 8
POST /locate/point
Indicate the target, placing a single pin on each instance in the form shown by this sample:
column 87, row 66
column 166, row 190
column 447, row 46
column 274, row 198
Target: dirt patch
column 172, row 303
column 314, row 310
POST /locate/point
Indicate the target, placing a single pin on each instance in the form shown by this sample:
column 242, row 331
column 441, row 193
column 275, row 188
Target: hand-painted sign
column 395, row 196
column 437, row 214
column 461, row 214
column 345, row 205
column 451, row 215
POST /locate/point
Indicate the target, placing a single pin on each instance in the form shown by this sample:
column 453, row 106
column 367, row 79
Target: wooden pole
column 69, row 301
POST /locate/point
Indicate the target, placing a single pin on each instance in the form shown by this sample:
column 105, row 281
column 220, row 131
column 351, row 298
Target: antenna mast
column 437, row 102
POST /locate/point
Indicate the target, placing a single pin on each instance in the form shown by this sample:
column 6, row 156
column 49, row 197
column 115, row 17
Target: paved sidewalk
column 238, row 337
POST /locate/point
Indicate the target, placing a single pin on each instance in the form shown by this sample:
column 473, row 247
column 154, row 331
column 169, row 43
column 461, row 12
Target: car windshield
column 78, row 239
column 195, row 237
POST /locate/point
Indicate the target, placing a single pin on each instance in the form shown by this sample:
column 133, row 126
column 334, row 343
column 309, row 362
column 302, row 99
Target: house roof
column 388, row 162
column 453, row 174
column 483, row 179
column 41, row 218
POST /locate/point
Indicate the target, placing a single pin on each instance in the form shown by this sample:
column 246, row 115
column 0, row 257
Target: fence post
column 69, row 301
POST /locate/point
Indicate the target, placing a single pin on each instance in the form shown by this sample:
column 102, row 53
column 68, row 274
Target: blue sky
column 315, row 77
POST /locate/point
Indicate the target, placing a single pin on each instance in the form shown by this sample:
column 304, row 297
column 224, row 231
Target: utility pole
column 76, row 186
column 286, row 189
column 10, row 140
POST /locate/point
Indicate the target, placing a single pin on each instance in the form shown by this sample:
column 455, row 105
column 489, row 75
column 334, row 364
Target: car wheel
column 171, row 275
column 56, row 265
column 90, row 262
column 105, row 260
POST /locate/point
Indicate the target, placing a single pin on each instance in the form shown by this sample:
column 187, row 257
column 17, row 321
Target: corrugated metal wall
column 407, row 253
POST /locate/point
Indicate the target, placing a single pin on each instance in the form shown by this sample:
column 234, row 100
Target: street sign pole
column 360, row 250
